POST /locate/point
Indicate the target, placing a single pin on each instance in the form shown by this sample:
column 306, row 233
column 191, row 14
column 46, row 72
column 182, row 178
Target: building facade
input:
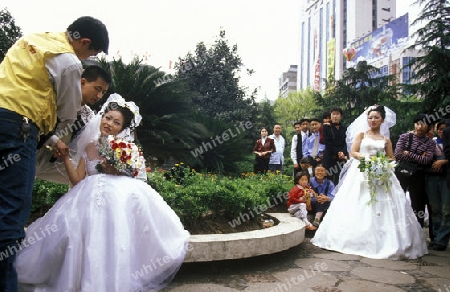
column 288, row 81
column 328, row 27
column 386, row 49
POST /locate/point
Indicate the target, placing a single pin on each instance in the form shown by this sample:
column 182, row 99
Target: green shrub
column 179, row 173
column 212, row 195
column 45, row 194
column 194, row 196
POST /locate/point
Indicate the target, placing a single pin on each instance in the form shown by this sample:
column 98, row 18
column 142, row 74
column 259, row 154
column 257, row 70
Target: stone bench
column 289, row 232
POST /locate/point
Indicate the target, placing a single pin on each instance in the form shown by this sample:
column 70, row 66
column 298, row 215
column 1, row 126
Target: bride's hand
column 61, row 148
column 108, row 168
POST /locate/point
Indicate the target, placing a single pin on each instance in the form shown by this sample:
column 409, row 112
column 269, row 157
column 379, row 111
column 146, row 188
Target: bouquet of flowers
column 125, row 156
column 379, row 170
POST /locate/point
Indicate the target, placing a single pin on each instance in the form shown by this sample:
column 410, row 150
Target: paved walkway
column 308, row 268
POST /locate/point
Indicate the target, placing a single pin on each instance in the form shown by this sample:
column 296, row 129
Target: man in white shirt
column 94, row 84
column 304, row 124
column 277, row 159
column 297, row 150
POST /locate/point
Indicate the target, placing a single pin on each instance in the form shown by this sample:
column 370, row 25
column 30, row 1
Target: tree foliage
column 265, row 116
column 296, row 105
column 172, row 128
column 363, row 86
column 224, row 145
column 9, row 32
column 167, row 129
column 214, row 73
column 432, row 68
column 359, row 88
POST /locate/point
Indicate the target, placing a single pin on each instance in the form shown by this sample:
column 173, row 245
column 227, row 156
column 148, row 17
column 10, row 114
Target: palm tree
column 167, row 129
column 225, row 146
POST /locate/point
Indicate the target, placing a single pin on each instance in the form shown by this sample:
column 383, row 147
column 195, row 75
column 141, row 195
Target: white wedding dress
column 388, row 229
column 108, row 233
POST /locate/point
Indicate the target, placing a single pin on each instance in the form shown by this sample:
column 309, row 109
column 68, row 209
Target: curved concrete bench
column 289, row 232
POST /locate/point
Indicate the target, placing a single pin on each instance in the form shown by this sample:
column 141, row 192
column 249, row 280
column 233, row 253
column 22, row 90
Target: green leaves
column 215, row 195
column 432, row 66
column 295, row 106
column 167, row 128
column 359, row 87
column 214, row 74
column 9, row 32
column 45, row 194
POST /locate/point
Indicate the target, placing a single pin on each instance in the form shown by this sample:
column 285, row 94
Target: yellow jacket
column 25, row 86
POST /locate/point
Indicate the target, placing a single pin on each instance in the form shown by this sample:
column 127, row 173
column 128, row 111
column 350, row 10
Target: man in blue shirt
column 324, row 188
column 314, row 149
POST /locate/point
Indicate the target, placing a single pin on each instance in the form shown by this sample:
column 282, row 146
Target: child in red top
column 299, row 201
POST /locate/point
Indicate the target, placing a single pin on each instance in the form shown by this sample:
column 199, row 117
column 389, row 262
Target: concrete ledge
column 215, row 247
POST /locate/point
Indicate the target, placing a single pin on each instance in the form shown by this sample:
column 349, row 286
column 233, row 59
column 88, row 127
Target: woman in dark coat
column 263, row 149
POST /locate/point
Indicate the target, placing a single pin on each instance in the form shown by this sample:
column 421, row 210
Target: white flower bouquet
column 379, row 170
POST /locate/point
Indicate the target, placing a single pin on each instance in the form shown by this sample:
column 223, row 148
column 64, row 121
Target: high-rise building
column 288, row 81
column 386, row 49
column 328, row 27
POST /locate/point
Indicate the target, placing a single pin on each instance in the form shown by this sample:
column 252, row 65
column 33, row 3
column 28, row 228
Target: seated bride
column 111, row 231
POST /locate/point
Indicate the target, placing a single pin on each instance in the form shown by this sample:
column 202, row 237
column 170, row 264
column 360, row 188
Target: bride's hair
column 127, row 114
column 380, row 109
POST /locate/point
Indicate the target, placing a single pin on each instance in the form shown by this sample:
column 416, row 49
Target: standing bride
column 382, row 228
column 109, row 232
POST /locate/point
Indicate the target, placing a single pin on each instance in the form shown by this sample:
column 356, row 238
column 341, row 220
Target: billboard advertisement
column 379, row 43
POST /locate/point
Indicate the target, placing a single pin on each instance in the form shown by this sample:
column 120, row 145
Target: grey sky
column 266, row 32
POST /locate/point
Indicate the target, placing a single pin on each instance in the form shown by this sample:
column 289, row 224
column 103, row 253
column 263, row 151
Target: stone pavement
column 309, row 268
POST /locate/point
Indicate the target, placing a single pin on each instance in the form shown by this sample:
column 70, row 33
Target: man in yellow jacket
column 40, row 72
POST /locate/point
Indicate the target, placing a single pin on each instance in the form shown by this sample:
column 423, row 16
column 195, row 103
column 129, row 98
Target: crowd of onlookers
column 319, row 151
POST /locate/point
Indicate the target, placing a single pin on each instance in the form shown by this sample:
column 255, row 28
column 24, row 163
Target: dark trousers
column 261, row 165
column 276, row 168
column 334, row 171
column 416, row 187
column 298, row 169
column 17, row 170
column 320, row 207
column 439, row 197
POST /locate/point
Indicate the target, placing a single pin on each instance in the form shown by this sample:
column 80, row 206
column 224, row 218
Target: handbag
column 406, row 168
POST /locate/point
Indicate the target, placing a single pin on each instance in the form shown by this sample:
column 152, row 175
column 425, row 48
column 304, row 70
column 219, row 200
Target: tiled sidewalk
column 308, row 268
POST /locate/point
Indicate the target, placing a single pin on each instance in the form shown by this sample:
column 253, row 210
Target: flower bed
column 195, row 195
column 200, row 197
